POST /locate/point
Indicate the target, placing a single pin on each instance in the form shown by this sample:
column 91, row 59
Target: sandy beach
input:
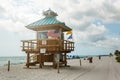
column 105, row 69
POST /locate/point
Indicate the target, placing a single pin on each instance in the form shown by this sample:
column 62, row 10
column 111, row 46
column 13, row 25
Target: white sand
column 105, row 69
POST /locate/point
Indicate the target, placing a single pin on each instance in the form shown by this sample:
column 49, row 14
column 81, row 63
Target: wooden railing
column 68, row 45
column 50, row 45
column 29, row 44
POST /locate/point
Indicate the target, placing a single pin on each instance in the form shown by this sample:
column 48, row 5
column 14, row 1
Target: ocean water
column 13, row 60
column 22, row 59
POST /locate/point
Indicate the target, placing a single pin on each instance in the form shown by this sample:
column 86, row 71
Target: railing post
column 66, row 45
column 30, row 44
column 23, row 45
column 38, row 43
column 73, row 45
column 70, row 45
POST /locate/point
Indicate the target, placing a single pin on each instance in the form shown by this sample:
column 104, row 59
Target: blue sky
column 114, row 29
column 95, row 24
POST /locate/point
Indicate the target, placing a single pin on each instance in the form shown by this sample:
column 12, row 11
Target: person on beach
column 90, row 59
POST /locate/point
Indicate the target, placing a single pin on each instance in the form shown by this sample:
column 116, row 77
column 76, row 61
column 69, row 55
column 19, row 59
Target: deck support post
column 40, row 60
column 58, row 62
column 28, row 60
column 65, row 59
column 54, row 61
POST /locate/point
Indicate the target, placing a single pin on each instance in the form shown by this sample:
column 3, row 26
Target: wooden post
column 80, row 62
column 9, row 65
column 99, row 57
column 28, row 58
column 90, row 60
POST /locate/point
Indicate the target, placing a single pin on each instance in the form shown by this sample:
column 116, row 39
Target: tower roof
column 49, row 22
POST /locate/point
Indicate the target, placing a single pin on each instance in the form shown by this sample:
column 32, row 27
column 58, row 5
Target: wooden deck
column 50, row 46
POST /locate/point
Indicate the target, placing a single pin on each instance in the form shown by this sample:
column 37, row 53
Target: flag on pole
column 70, row 37
column 69, row 32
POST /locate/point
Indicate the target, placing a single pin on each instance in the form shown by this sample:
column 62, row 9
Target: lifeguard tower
column 49, row 45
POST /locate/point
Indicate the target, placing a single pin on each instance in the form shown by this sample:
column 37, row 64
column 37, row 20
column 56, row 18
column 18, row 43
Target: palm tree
column 117, row 53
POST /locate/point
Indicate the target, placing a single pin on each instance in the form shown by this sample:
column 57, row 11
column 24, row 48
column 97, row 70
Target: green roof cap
column 49, row 13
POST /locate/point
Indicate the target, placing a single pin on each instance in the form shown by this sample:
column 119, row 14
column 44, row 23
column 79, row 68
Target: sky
column 95, row 24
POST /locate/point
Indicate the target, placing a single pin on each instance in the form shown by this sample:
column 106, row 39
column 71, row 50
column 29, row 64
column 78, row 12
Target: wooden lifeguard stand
column 49, row 46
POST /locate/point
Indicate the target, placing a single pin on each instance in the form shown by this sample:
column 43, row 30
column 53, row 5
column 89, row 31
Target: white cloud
column 80, row 14
column 110, row 43
column 92, row 33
